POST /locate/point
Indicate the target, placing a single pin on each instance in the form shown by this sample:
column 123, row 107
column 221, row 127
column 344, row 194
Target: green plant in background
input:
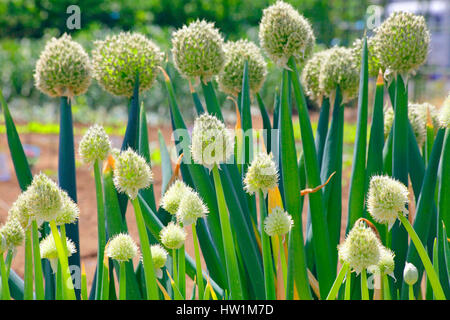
column 251, row 250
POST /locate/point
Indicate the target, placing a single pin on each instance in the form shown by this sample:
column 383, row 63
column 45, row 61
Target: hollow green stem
column 175, row 266
column 149, row 270
column 386, row 289
column 123, row 282
column 267, row 256
column 38, row 276
column 105, row 282
column 62, row 257
column 232, row 269
column 348, row 285
column 5, row 286
column 338, row 282
column 411, row 292
column 198, row 263
column 364, row 288
column 283, row 262
column 58, row 283
column 431, row 273
column 28, row 278
column 101, row 238
column 182, row 270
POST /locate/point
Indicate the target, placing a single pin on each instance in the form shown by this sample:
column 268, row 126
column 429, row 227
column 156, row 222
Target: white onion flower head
column 172, row 197
column 197, row 50
column 63, row 68
column 386, row 199
column 340, row 69
column 20, row 211
column 444, row 113
column 69, row 212
column 283, row 33
column 410, row 274
column 122, row 248
column 311, row 73
column 48, row 250
column 119, row 58
column 212, row 144
column 44, row 198
column 191, row 208
column 361, row 248
column 236, row 54
column 402, row 43
column 172, row 236
column 11, row 235
column 373, row 61
column 159, row 257
column 386, row 263
column 95, row 145
column 262, row 174
column 278, row 222
column 131, row 173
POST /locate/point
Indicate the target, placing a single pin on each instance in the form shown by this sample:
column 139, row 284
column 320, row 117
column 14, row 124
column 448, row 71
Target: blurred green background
column 25, row 26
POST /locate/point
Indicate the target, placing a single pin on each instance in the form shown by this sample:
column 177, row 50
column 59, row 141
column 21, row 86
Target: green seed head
column 212, row 143
column 95, row 145
column 44, row 199
column 159, row 256
column 191, row 208
column 261, row 175
column 48, row 250
column 311, row 73
column 340, row 69
column 386, row 199
column 361, row 248
column 283, row 32
column 21, row 212
column 69, row 211
column 402, row 43
column 172, row 198
column 122, row 248
column 172, row 236
column 11, row 235
column 118, row 59
column 131, row 173
column 444, row 113
column 63, row 69
column 373, row 61
column 386, row 263
column 410, row 274
column 278, row 222
column 197, row 50
column 236, row 54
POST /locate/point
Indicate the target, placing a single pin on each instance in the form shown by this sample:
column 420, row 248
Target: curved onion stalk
column 267, row 256
column 338, row 282
column 100, row 228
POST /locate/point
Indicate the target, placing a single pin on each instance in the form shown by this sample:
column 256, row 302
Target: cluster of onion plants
column 242, row 191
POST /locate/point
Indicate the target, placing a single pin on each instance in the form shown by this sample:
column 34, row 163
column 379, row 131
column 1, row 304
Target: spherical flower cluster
column 20, row 211
column 191, row 208
column 402, row 42
column 410, row 274
column 278, row 222
column 386, row 263
column 261, row 175
column 444, row 113
column 172, row 236
column 159, row 258
column 212, row 143
column 95, row 145
column 386, row 199
column 63, row 69
column 131, row 173
column 48, row 250
column 69, row 211
column 283, row 33
column 197, row 50
column 11, row 235
column 122, row 248
column 44, row 199
column 361, row 248
column 372, row 59
column 172, row 197
column 236, row 54
column 340, row 69
column 119, row 58
column 311, row 73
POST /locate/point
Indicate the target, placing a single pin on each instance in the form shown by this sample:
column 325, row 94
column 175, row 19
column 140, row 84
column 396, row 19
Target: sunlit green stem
column 5, row 286
column 364, row 288
column 348, row 285
column 198, row 264
column 182, row 270
column 386, row 289
column 123, row 282
column 38, row 276
column 338, row 282
column 232, row 269
column 283, row 261
column 175, row 266
column 149, row 270
column 431, row 273
column 28, row 278
column 411, row 292
column 267, row 256
column 101, row 239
